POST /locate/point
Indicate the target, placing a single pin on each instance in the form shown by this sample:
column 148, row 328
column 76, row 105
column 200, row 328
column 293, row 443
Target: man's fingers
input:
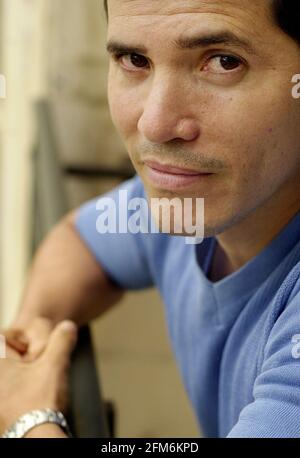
column 16, row 339
column 38, row 334
column 61, row 343
column 18, row 334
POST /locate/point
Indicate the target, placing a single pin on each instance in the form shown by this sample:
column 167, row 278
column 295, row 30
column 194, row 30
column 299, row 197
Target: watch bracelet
column 34, row 418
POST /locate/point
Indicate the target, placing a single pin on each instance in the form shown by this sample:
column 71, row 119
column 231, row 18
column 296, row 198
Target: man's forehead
column 248, row 19
column 171, row 7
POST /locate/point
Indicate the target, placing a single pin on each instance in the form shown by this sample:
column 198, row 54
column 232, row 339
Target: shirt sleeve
column 275, row 411
column 122, row 255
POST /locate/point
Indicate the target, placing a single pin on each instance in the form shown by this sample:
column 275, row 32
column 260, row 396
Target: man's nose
column 166, row 115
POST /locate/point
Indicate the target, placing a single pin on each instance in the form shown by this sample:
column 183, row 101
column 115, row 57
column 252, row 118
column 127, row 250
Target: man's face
column 221, row 106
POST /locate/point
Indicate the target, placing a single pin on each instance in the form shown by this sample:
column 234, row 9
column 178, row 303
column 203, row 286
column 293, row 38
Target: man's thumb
column 61, row 342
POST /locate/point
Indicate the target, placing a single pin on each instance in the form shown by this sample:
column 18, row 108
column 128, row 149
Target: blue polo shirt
column 236, row 341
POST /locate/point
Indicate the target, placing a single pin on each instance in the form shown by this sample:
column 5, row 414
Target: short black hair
column 286, row 15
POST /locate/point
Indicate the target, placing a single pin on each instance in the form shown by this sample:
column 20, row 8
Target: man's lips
column 173, row 170
column 173, row 178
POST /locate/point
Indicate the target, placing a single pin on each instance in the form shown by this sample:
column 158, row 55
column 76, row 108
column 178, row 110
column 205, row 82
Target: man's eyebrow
column 115, row 47
column 184, row 43
column 219, row 38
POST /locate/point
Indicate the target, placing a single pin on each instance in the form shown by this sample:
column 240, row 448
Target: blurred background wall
column 54, row 49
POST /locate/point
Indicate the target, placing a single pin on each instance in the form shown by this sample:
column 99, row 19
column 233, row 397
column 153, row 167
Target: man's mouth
column 171, row 177
column 173, row 169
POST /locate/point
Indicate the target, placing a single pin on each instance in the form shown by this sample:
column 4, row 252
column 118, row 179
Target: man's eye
column 133, row 61
column 222, row 64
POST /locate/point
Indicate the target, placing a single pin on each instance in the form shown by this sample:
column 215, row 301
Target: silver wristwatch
column 36, row 418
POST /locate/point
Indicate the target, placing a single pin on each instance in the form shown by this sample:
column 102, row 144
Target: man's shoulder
column 288, row 292
column 292, row 283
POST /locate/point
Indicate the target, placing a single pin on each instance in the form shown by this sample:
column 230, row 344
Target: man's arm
column 275, row 410
column 66, row 281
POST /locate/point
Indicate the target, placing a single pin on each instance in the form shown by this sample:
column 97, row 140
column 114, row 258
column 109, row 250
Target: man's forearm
column 65, row 281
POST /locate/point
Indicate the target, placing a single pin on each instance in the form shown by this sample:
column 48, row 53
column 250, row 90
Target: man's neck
column 245, row 240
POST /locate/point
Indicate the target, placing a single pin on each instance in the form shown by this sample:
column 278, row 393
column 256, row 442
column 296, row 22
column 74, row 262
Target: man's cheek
column 123, row 117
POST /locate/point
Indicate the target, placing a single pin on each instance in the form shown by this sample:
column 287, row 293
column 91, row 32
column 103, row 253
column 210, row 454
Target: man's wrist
column 46, row 430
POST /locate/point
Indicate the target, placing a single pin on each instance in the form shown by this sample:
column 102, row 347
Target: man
column 205, row 111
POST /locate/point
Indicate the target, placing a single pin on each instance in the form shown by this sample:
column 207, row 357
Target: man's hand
column 39, row 384
column 28, row 341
